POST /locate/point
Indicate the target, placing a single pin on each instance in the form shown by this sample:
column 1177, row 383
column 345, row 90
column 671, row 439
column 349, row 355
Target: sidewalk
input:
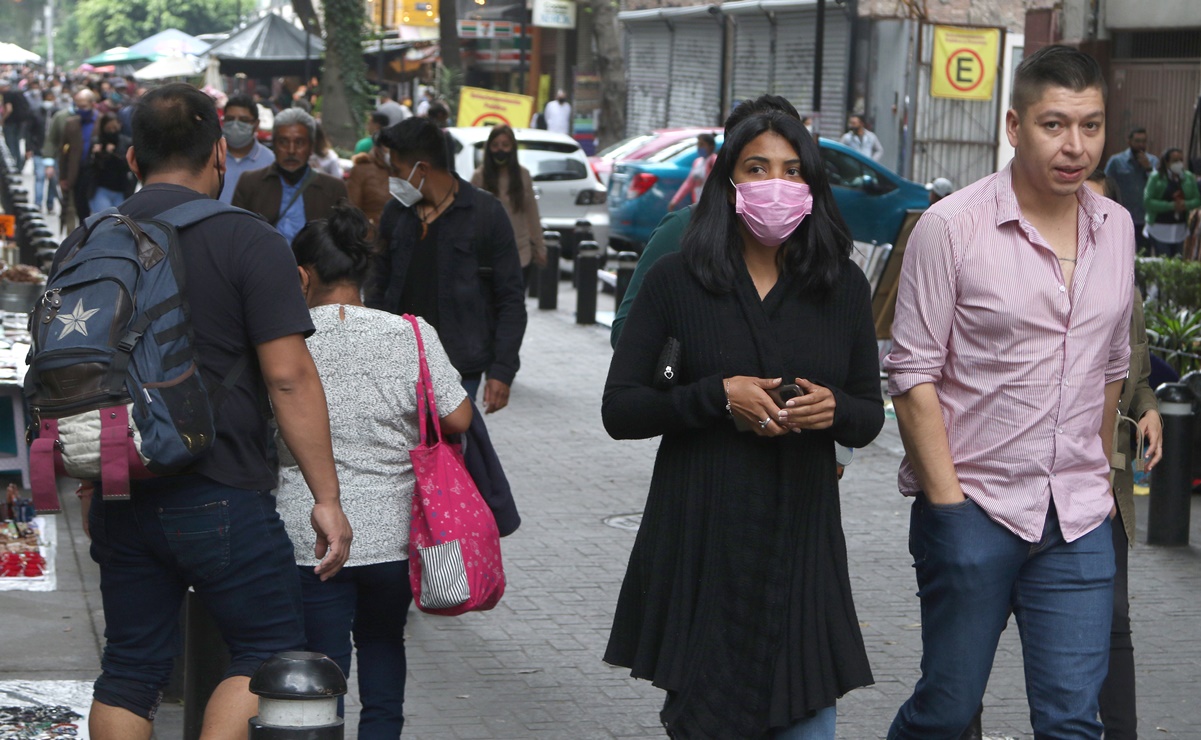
column 531, row 668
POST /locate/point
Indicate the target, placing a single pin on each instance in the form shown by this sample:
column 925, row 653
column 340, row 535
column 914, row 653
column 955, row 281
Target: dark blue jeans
column 370, row 602
column 971, row 572
column 228, row 544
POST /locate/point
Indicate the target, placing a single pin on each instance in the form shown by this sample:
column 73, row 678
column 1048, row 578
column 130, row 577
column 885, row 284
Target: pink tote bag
column 454, row 546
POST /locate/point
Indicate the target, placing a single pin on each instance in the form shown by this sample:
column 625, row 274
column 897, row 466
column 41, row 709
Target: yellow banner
column 964, row 63
column 479, row 107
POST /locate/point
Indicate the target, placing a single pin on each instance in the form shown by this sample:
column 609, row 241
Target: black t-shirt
column 1169, row 193
column 243, row 290
column 420, row 296
column 20, row 112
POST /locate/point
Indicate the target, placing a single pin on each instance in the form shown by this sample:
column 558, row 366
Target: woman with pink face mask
column 751, row 353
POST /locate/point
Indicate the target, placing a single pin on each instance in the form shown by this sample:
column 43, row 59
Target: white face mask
column 1177, row 168
column 403, row 190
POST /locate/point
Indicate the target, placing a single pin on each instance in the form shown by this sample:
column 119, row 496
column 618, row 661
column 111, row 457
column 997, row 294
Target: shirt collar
column 1009, row 210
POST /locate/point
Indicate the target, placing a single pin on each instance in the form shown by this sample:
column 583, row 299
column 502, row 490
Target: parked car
column 872, row 198
column 565, row 186
column 641, row 147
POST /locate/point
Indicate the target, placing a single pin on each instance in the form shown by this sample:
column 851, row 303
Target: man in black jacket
column 450, row 257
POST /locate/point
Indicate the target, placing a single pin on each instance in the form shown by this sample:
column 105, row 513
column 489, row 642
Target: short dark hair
column 174, row 128
column 242, row 100
column 707, row 139
column 813, row 254
column 747, row 108
column 381, row 119
column 339, row 247
column 1061, row 66
column 418, row 139
column 1135, row 130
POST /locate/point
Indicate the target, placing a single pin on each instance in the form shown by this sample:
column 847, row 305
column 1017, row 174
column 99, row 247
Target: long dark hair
column 338, row 248
column 1164, row 171
column 492, row 170
column 712, row 245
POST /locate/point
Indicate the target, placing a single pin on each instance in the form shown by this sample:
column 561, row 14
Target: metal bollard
column 586, row 264
column 572, row 246
column 1172, row 480
column 298, row 698
column 548, row 291
column 205, row 659
column 626, row 262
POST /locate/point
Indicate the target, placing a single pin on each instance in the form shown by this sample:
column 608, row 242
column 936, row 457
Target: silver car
column 565, row 186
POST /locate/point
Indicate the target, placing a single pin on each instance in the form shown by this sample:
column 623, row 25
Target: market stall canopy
column 13, row 54
column 269, row 47
column 171, row 42
column 169, row 67
column 120, row 55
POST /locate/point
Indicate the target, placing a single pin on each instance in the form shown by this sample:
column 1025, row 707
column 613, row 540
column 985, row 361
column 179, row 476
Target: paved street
column 531, row 668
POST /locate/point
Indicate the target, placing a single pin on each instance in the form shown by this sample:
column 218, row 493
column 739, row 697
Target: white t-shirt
column 558, row 117
column 368, row 365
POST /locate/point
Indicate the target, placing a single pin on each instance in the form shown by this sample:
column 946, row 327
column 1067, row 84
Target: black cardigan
column 737, row 598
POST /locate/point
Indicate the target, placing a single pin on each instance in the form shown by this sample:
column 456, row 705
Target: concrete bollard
column 586, row 264
column 548, row 291
column 1172, row 479
column 298, row 698
column 626, row 262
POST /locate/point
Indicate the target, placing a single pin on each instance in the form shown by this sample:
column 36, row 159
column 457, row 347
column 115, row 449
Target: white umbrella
column 13, row 54
column 168, row 67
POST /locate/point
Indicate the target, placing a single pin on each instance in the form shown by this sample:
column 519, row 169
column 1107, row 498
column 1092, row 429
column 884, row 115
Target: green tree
column 103, row 24
column 16, row 22
column 345, row 94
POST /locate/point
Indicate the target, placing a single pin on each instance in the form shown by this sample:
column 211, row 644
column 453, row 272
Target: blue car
column 872, row 198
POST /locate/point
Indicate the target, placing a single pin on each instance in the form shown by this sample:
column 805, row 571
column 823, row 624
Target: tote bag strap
column 427, row 408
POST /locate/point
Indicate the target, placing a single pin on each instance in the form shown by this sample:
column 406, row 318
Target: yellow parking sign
column 964, row 63
column 479, row 107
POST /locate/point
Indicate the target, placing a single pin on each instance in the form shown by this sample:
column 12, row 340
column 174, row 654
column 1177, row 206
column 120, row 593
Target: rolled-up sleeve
column 1118, row 366
column 925, row 307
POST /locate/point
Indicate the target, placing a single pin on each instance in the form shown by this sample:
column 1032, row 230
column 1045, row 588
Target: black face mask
column 500, row 158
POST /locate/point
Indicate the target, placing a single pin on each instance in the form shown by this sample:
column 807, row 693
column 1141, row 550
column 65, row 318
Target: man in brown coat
column 289, row 193
column 71, row 139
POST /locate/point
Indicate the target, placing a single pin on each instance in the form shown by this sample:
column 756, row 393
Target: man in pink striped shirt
column 1010, row 344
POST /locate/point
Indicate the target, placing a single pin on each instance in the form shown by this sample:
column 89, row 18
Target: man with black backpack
column 213, row 526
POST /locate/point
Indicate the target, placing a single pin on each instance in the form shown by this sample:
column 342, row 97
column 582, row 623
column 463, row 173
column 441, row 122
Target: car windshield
column 673, row 151
column 621, row 148
column 546, row 160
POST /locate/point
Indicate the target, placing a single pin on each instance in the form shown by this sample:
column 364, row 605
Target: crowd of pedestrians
column 745, row 342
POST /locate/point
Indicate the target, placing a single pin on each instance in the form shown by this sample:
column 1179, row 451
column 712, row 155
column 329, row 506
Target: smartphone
column 784, row 392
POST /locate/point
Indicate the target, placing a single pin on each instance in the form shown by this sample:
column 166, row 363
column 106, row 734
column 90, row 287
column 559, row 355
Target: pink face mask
column 772, row 209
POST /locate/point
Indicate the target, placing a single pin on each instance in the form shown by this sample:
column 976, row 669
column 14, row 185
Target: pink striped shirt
column 1019, row 364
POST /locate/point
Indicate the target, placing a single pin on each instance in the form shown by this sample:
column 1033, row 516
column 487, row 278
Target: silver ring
column 763, row 424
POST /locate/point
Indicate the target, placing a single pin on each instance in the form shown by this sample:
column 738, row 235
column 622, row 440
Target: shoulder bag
column 454, row 546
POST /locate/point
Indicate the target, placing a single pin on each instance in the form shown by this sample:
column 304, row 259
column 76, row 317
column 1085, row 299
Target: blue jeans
column 818, row 727
column 472, row 386
column 105, row 198
column 228, row 544
column 40, row 182
column 970, row 572
column 370, row 602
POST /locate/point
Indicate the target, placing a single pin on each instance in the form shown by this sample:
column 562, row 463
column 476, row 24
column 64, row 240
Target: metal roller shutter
column 648, row 55
column 752, row 57
column 695, row 84
column 796, row 40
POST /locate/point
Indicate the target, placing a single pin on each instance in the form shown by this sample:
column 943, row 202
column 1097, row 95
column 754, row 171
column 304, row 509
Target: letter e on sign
column 964, row 62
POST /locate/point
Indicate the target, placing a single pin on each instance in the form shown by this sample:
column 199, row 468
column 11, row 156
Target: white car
column 565, row 186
